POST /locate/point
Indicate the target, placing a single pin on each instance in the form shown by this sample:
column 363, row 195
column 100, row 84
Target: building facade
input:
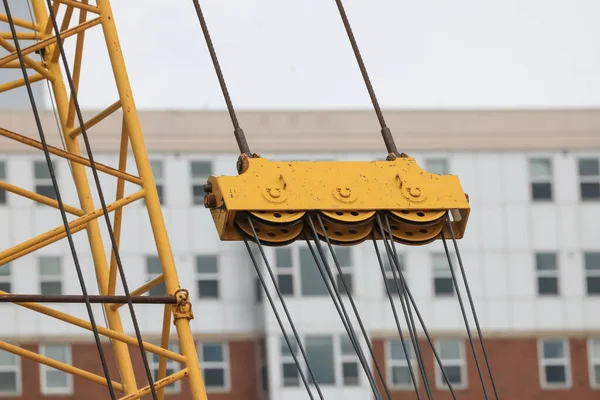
column 531, row 253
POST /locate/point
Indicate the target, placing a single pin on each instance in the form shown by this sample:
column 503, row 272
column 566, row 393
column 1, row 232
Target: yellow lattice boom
column 75, row 18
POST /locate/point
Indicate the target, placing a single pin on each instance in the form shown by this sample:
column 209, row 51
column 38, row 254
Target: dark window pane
column 8, row 381
column 5, row 287
column 556, row 374
column 265, row 378
column 593, row 284
column 214, row 377
column 310, row 277
column 212, row 353
column 290, row 375
column 347, row 281
column 2, row 196
column 159, row 189
column 350, row 371
column 453, row 374
column 198, row 194
column 401, row 376
column 259, row 290
column 46, row 190
column 208, row 289
column 319, row 351
column 158, row 290
column 444, row 286
column 285, row 284
column 597, row 374
column 592, row 261
column 201, row 169
column 547, row 285
column 589, row 167
column 590, row 191
column 545, row 261
column 391, row 284
column 51, row 288
column 541, row 191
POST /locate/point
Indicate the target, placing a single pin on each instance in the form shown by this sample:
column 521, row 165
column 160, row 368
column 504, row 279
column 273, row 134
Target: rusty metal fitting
column 208, row 187
column 210, row 201
column 183, row 308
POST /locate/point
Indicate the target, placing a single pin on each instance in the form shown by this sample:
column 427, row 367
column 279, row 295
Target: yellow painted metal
column 346, row 193
column 100, row 16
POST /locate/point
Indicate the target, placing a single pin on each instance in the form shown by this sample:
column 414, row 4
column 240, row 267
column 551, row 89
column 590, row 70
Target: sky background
column 284, row 54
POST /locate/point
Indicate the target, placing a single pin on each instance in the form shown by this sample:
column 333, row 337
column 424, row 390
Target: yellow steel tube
column 80, row 5
column 20, row 22
column 51, row 40
column 157, row 222
column 28, row 61
column 97, row 118
column 89, row 217
column 102, row 330
column 76, row 65
column 39, row 198
column 121, row 351
column 65, row 25
column 44, row 243
column 58, row 365
column 70, row 156
column 158, row 384
column 20, row 35
column 142, row 289
column 164, row 343
column 112, row 272
column 19, row 82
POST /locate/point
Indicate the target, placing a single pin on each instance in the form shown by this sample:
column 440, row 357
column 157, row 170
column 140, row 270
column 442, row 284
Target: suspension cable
column 386, row 133
column 102, row 200
column 396, row 319
column 472, row 305
column 60, row 203
column 238, row 132
column 287, row 313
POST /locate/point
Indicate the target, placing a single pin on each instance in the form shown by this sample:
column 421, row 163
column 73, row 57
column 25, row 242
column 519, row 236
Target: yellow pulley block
column 345, row 196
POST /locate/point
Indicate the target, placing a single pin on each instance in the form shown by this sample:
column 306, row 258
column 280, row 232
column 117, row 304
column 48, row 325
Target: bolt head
column 414, row 192
column 344, row 192
column 275, row 193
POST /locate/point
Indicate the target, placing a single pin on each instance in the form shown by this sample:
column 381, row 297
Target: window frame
column 443, row 273
column 199, row 180
column 17, row 369
column 590, row 273
column 593, row 361
column 347, row 270
column 225, row 365
column 159, row 181
column 171, row 364
column 43, row 278
column 6, row 278
column 546, row 179
column 208, row 276
column 459, row 362
column 44, row 369
column 587, row 178
column 346, row 359
column 389, row 274
column 542, row 363
column 392, row 362
column 152, row 275
column 541, row 273
column 293, row 270
column 45, row 182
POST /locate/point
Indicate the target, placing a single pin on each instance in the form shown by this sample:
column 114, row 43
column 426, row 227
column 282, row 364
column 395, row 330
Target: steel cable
column 60, row 202
column 102, row 200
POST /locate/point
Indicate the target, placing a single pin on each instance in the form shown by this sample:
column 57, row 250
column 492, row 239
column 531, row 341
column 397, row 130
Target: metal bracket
column 183, row 308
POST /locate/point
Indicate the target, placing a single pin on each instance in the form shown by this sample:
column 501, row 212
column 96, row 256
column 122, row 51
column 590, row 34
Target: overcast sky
column 288, row 54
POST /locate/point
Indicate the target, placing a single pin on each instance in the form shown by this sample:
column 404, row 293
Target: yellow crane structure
column 268, row 203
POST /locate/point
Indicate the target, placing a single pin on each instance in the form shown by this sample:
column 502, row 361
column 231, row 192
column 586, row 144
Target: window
column 437, row 166
column 207, row 274
column 2, row 177
column 154, row 269
column 555, row 368
column 285, row 270
column 594, row 357
column 319, row 352
column 172, row 367
column 442, row 276
column 592, row 272
column 53, row 380
column 50, row 275
column 214, row 360
column 398, row 370
column 311, row 280
column 389, row 273
column 547, row 274
column 349, row 360
column 43, row 181
column 157, row 171
column 540, row 173
column 344, row 257
column 5, row 282
column 589, row 178
column 452, row 356
column 200, row 171
column 10, row 374
column 291, row 376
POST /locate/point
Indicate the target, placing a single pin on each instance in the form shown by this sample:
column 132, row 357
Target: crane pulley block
column 343, row 199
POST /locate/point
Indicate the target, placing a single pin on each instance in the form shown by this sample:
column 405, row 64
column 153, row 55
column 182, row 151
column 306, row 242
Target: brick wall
column 243, row 374
column 515, row 368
